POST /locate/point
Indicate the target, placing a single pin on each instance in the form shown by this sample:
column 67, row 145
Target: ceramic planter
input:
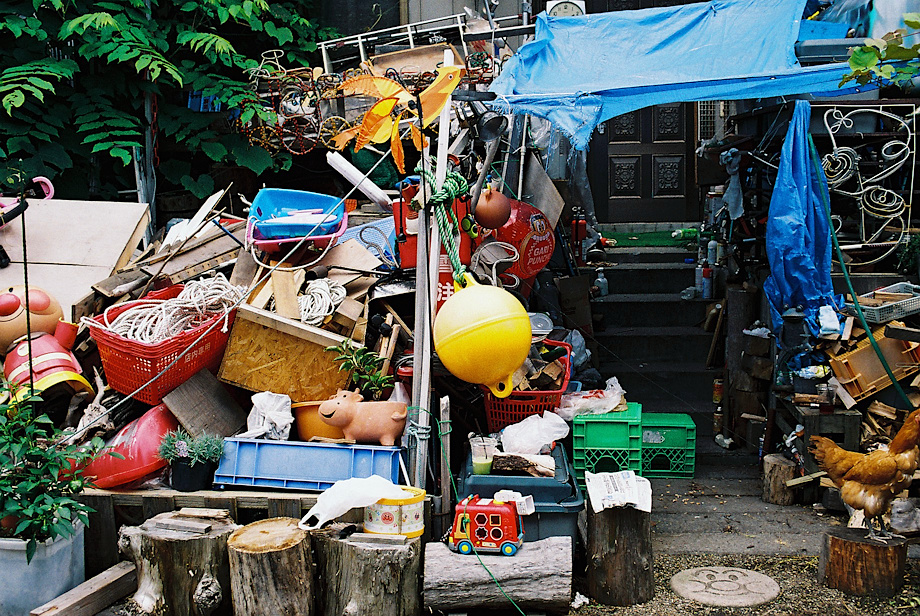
column 187, row 478
column 56, row 568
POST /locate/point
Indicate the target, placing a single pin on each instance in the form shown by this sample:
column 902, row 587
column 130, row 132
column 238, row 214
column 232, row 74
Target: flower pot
column 309, row 423
column 187, row 478
column 56, row 568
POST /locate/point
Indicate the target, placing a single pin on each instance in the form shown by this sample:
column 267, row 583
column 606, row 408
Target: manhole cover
column 724, row 586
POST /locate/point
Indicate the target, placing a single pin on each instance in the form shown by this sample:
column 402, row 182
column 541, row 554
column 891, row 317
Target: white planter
column 56, row 568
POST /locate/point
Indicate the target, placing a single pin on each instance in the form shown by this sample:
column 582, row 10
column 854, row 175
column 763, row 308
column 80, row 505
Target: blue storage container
column 557, row 500
column 272, row 206
column 301, row 466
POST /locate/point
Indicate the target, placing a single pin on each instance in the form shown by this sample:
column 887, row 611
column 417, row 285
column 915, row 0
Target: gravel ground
column 800, row 592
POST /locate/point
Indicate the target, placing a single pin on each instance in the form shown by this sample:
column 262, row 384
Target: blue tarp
column 581, row 71
column 799, row 239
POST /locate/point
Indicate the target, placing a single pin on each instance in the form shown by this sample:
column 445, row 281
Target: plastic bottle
column 698, row 276
column 684, row 234
column 712, row 250
column 601, row 283
column 707, row 283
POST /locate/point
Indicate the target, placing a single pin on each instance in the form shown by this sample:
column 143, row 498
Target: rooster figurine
column 872, row 480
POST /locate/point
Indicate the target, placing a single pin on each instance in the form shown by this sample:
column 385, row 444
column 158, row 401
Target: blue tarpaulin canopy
column 581, row 71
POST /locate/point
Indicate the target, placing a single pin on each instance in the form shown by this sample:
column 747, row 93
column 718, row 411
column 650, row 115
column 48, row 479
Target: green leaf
column 12, row 100
column 214, row 150
column 255, row 158
column 201, row 188
column 863, row 58
column 912, row 20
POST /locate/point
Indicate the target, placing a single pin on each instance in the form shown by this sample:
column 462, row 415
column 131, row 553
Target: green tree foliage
column 75, row 75
column 892, row 59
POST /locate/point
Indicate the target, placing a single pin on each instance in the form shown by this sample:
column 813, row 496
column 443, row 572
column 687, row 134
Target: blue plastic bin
column 557, row 500
column 301, row 466
column 271, row 203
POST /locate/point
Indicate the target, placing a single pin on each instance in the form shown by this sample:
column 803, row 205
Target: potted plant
column 41, row 521
column 192, row 460
column 364, row 366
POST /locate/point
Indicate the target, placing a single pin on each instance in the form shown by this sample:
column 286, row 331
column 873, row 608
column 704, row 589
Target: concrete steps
column 624, row 309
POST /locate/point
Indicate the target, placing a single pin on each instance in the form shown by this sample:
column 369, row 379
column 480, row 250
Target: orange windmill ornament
column 381, row 122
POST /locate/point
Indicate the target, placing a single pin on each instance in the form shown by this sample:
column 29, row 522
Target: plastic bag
column 270, row 417
column 593, row 401
column 580, row 353
column 348, row 494
column 531, row 434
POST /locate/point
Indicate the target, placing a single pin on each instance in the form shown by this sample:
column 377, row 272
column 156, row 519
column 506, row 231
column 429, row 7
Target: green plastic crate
column 668, row 445
column 608, row 442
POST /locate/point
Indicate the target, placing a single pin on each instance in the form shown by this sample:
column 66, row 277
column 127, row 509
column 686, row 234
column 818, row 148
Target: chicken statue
column 872, row 480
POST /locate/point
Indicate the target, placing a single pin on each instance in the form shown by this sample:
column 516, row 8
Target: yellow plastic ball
column 482, row 335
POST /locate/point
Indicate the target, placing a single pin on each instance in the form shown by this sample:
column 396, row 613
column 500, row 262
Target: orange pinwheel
column 381, row 122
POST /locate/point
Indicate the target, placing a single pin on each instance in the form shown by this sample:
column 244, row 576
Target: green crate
column 608, row 442
column 668, row 445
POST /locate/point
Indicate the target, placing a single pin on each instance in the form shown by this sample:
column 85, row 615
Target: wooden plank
column 123, row 282
column 101, row 533
column 351, row 254
column 262, row 294
column 285, row 293
column 185, row 526
column 203, row 512
column 900, row 332
column 283, row 508
column 244, row 272
column 93, row 595
column 243, row 499
column 140, row 232
column 222, row 502
column 266, row 352
column 807, row 478
column 203, row 405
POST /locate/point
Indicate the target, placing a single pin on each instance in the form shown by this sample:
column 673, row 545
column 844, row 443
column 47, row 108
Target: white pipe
column 356, row 178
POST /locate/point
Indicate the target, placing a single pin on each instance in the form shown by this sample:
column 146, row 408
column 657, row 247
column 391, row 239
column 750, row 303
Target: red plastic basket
column 128, row 364
column 501, row 412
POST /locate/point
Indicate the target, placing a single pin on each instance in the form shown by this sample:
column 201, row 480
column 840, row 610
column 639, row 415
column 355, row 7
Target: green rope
column 455, row 185
column 846, row 275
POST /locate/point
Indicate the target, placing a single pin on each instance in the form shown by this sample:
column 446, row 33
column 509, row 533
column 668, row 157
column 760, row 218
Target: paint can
column 717, row 387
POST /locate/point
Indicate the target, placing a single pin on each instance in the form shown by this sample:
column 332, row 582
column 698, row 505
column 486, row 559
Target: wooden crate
column 267, row 352
column 861, row 373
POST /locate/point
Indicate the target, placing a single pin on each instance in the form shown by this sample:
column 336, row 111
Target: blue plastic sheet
column 581, row 71
column 799, row 239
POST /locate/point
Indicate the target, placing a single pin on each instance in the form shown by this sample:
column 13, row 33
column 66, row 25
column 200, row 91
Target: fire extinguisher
column 579, row 234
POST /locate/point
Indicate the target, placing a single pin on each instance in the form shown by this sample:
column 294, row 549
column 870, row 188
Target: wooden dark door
column 641, row 166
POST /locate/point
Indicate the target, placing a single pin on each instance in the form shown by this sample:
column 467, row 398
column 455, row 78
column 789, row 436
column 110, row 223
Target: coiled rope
column 155, row 320
column 320, row 299
column 454, row 186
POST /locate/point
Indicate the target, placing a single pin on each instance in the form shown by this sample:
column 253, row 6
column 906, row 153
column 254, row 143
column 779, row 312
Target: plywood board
column 270, row 353
column 350, row 254
column 68, row 246
column 202, row 405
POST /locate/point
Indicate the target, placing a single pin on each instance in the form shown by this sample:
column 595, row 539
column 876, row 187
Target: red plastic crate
column 501, row 412
column 128, row 364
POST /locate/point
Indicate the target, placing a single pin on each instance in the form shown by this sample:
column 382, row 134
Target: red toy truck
column 486, row 524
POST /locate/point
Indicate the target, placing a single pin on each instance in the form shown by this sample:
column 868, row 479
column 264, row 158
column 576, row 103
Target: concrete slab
column 725, row 586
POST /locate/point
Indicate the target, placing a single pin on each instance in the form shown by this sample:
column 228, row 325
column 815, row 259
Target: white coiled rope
column 156, row 320
column 320, row 299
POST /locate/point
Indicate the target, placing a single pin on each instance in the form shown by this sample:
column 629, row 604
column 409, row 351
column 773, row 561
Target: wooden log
column 179, row 572
column 777, row 470
column 859, row 566
column 620, row 563
column 93, row 595
column 271, row 569
column 538, row 577
column 366, row 578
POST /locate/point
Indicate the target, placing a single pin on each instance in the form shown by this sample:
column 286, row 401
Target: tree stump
column 538, row 578
column 620, row 564
column 366, row 578
column 859, row 566
column 182, row 565
column 271, row 569
column 777, row 470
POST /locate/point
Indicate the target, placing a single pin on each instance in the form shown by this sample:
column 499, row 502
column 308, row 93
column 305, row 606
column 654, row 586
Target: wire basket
column 501, row 412
column 128, row 364
column 894, row 310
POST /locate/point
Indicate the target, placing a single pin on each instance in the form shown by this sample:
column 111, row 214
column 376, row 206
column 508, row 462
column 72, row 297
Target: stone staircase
column 651, row 339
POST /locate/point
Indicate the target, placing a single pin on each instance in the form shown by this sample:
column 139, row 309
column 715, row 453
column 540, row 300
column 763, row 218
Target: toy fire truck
column 487, row 525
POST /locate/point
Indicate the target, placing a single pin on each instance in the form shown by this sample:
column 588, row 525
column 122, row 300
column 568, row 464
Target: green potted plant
column 41, row 521
column 364, row 366
column 192, row 460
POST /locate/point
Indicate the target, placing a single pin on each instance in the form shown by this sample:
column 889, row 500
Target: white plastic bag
column 592, row 401
column 348, row 494
column 270, row 417
column 531, row 434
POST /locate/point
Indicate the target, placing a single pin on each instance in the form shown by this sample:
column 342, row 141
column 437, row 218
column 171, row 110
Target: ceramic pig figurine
column 364, row 422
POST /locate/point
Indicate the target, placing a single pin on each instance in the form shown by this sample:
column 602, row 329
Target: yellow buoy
column 482, row 335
